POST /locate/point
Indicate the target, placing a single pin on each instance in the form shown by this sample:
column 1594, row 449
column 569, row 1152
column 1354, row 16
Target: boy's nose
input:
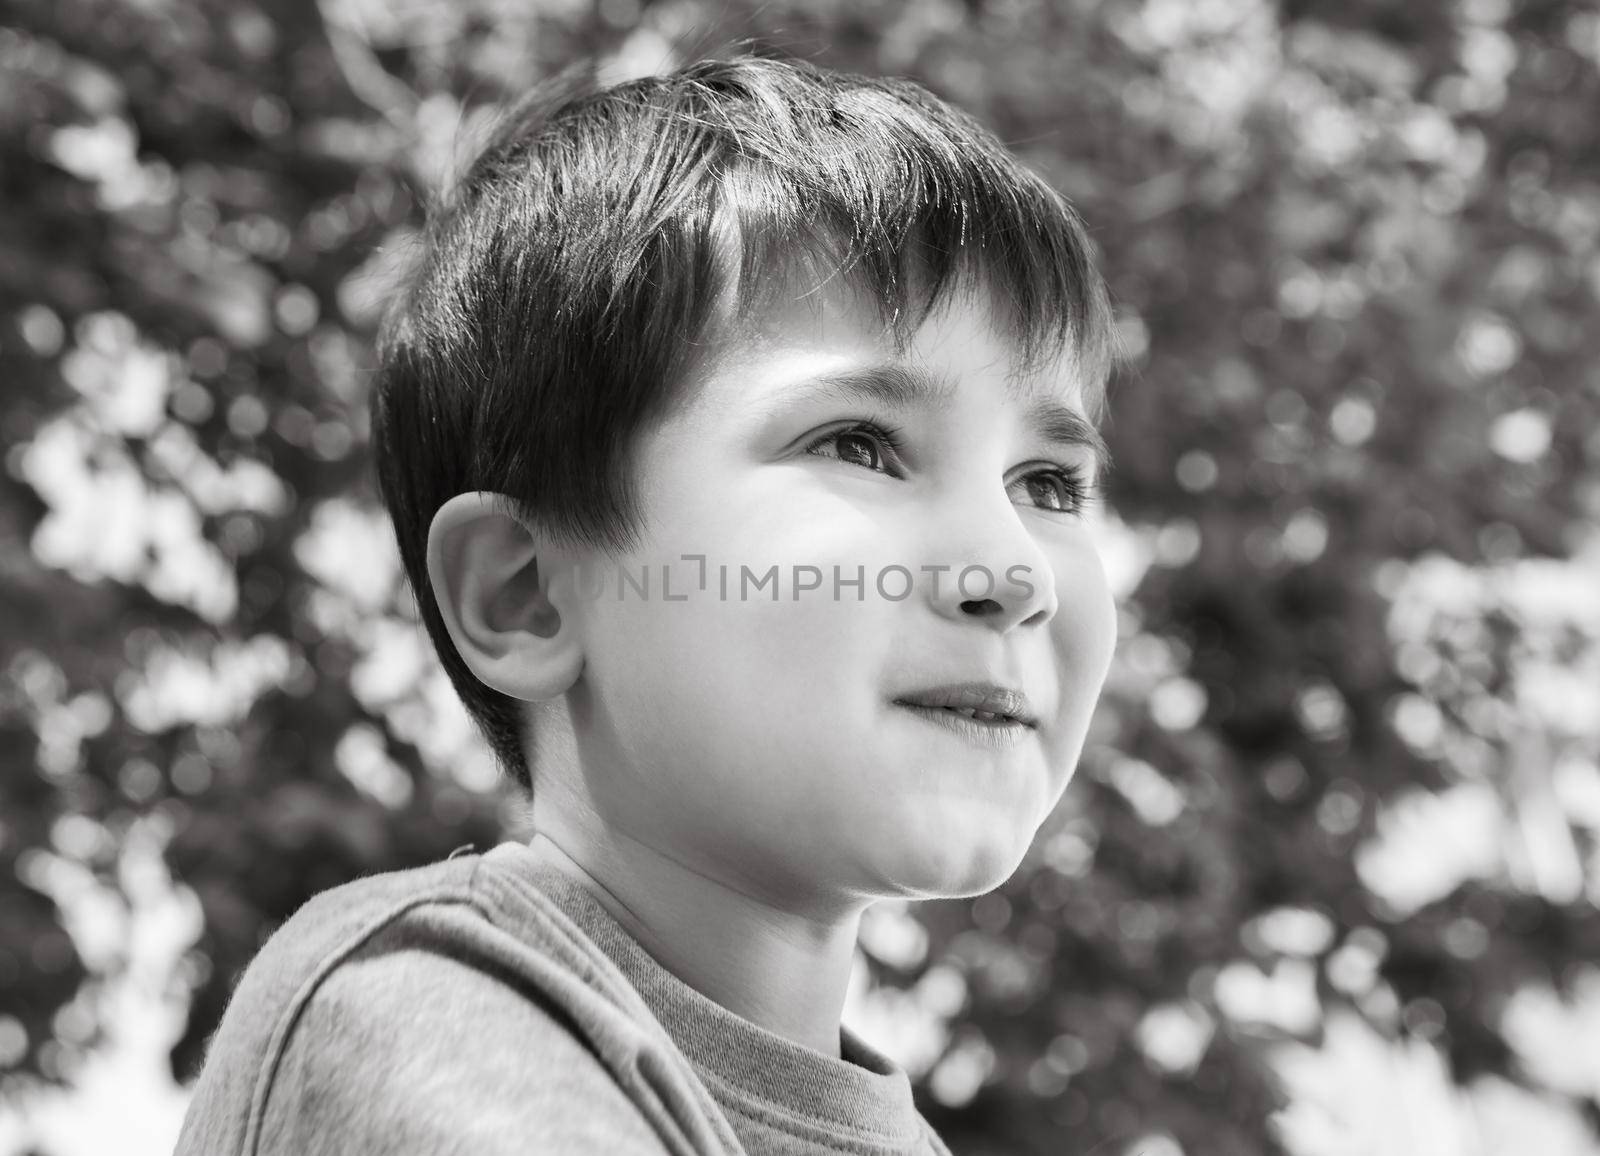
column 1005, row 614
column 998, row 574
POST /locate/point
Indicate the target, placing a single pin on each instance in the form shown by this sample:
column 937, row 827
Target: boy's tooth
column 974, row 713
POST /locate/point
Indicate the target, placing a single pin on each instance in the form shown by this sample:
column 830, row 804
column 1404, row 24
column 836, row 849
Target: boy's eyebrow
column 901, row 387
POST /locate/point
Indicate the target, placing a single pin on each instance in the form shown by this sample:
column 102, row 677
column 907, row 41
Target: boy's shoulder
column 328, row 932
column 419, row 1009
column 334, row 923
column 282, row 978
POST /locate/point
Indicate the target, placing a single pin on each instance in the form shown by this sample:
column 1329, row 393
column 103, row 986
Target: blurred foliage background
column 1327, row 878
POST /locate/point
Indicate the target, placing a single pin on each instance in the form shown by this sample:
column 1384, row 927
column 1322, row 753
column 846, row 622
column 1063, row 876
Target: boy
column 737, row 429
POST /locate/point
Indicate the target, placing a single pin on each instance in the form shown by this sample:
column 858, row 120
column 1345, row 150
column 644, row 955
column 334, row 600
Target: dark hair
column 561, row 290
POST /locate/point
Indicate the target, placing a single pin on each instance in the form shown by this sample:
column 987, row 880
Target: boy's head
column 644, row 334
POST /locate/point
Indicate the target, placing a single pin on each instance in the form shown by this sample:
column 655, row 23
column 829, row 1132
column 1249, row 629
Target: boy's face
column 761, row 741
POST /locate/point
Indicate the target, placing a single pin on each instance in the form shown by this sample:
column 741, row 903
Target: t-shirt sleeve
column 414, row 1052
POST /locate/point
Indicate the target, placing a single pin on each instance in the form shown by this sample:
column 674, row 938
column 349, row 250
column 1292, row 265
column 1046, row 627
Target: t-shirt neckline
column 863, row 1092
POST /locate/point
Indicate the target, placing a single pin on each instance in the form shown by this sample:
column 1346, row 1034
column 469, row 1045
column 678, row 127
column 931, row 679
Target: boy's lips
column 985, row 697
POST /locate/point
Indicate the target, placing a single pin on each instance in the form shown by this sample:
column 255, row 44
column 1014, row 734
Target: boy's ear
column 484, row 568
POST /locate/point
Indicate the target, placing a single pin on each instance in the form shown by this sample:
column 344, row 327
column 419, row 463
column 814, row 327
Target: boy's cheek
column 1086, row 626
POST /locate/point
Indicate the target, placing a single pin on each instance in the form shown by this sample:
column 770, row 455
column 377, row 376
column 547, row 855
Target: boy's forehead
column 839, row 337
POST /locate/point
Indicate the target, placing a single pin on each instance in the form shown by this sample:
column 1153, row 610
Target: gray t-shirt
column 488, row 1004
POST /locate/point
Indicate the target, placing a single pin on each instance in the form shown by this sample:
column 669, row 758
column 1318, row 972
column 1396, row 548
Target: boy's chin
column 957, row 868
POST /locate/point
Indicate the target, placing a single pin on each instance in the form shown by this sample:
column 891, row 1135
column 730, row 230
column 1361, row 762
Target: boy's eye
column 1065, row 490
column 859, row 444
column 1054, row 488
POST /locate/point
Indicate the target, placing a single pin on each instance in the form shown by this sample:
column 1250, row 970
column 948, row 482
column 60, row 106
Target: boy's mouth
column 984, row 702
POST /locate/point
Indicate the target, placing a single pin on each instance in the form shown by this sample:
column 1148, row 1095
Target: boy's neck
column 780, row 971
